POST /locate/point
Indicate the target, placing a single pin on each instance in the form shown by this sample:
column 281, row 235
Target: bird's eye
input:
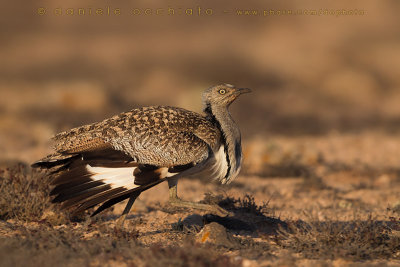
column 222, row 91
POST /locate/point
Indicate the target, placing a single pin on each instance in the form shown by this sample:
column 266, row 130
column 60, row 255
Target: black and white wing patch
column 84, row 186
column 87, row 181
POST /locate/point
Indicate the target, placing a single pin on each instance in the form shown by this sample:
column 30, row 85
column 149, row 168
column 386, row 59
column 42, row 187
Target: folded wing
column 109, row 161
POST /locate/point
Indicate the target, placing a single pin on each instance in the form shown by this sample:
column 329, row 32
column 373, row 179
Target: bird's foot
column 120, row 222
column 215, row 209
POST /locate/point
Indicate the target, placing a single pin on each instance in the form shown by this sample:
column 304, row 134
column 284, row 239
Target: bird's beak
column 244, row 90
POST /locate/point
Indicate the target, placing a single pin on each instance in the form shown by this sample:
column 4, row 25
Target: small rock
column 216, row 234
column 383, row 181
column 344, row 204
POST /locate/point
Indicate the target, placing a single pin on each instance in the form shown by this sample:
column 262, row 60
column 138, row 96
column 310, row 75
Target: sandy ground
column 330, row 200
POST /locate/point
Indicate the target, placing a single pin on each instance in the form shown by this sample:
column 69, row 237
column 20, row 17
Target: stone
column 216, row 234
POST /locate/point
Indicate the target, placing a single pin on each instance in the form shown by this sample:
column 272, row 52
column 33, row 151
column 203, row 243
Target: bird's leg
column 121, row 220
column 174, row 200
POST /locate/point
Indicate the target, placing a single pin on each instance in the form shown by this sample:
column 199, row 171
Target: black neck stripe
column 214, row 120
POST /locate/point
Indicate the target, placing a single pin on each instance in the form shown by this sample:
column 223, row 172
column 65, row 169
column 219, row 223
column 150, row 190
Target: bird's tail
column 84, row 186
column 82, row 181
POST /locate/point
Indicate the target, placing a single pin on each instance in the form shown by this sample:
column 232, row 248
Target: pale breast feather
column 220, row 166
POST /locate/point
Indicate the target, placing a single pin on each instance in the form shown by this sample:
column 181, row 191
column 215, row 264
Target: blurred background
column 313, row 76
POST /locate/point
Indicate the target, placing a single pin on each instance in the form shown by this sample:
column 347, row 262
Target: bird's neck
column 231, row 139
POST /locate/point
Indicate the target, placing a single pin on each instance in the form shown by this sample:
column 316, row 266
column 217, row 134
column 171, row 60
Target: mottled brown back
column 161, row 136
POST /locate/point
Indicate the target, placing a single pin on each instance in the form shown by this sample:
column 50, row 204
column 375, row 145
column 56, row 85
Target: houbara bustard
column 120, row 157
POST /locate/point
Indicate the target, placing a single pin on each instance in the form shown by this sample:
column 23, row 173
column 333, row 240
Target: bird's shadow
column 245, row 216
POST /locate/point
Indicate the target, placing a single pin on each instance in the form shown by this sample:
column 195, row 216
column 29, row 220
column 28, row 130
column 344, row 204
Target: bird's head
column 222, row 95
